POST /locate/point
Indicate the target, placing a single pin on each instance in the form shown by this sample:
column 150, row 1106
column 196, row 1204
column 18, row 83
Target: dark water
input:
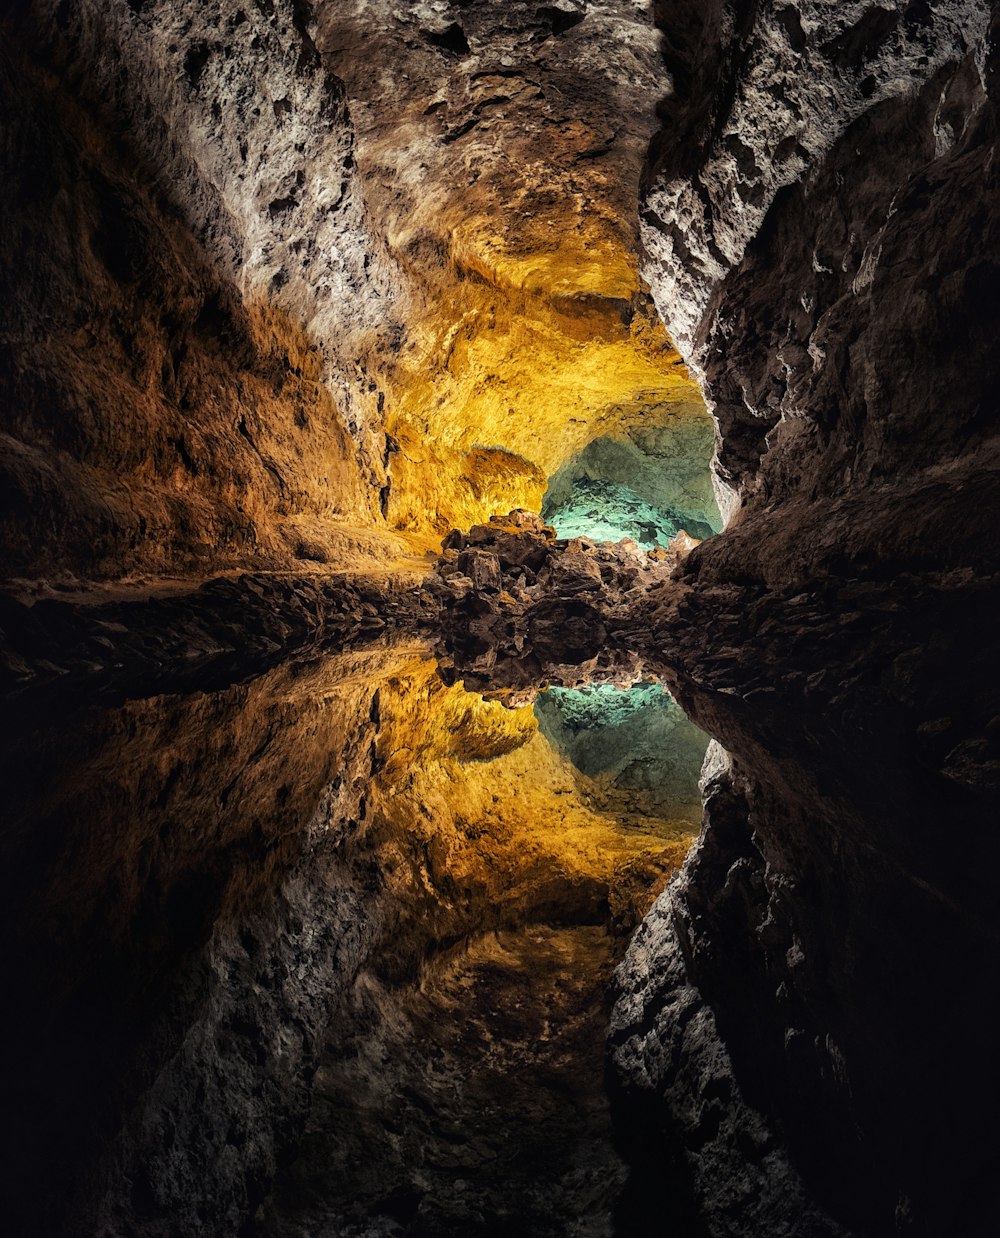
column 323, row 952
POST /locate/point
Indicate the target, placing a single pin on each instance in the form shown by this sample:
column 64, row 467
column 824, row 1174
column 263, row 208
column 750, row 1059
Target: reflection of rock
column 194, row 884
column 510, row 1123
column 820, row 224
column 230, row 624
column 184, row 931
column 635, row 745
column 562, row 609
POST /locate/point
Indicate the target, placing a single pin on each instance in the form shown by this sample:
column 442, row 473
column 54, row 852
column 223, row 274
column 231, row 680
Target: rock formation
column 821, row 230
column 521, row 606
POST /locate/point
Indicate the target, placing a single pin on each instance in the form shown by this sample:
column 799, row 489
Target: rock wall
column 189, row 287
column 210, row 893
column 504, row 178
column 277, row 271
column 820, row 226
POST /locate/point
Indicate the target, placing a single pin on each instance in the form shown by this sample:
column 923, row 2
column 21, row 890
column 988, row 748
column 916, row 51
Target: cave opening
column 648, row 486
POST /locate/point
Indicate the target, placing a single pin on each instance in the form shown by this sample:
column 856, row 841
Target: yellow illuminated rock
column 526, row 358
column 477, row 815
column 524, row 330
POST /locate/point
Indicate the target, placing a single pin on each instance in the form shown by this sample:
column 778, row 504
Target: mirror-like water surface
column 325, row 952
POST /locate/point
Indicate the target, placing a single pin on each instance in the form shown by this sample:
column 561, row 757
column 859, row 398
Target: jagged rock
column 549, row 621
column 482, row 569
column 247, row 326
column 801, row 247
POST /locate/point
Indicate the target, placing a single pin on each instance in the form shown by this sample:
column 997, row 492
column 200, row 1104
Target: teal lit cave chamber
column 636, row 750
column 647, row 486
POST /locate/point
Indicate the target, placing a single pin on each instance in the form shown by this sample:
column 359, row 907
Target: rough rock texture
column 209, row 896
column 521, row 606
column 504, row 177
column 647, row 486
column 188, row 279
column 274, row 272
column 824, row 144
column 245, row 327
column 821, row 230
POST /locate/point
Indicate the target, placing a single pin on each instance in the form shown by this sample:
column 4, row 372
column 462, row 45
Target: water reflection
column 635, row 747
column 327, row 948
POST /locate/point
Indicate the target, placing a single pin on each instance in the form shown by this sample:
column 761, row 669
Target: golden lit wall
column 505, row 185
column 478, row 818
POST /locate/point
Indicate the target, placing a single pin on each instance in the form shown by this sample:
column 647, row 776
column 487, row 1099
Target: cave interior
column 498, row 618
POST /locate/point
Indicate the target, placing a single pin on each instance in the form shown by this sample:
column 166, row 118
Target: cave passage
column 648, row 486
column 362, row 924
column 421, row 425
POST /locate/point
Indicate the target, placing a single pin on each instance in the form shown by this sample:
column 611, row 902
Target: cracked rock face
column 327, row 274
column 175, row 361
column 521, row 606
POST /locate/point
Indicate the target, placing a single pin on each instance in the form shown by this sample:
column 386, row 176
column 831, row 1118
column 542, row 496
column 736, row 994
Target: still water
column 326, row 951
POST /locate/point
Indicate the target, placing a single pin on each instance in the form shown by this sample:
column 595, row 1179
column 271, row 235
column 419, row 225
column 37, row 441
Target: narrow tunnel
column 498, row 618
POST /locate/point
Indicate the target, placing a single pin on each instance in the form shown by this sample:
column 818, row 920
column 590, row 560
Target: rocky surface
column 263, row 307
column 212, row 896
column 189, row 280
column 646, row 486
column 282, row 283
column 819, row 219
column 521, row 606
column 242, row 623
column 504, row 176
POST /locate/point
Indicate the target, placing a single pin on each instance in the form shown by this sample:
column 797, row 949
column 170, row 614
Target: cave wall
column 190, row 285
column 208, row 893
column 504, row 178
column 278, row 272
column 820, row 229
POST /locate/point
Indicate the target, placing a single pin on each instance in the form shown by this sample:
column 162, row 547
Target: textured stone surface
column 504, row 176
column 247, row 326
column 820, row 219
column 300, row 274
column 179, row 334
column 647, row 486
column 562, row 609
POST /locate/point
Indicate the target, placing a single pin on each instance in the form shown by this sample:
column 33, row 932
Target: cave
column 498, row 618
